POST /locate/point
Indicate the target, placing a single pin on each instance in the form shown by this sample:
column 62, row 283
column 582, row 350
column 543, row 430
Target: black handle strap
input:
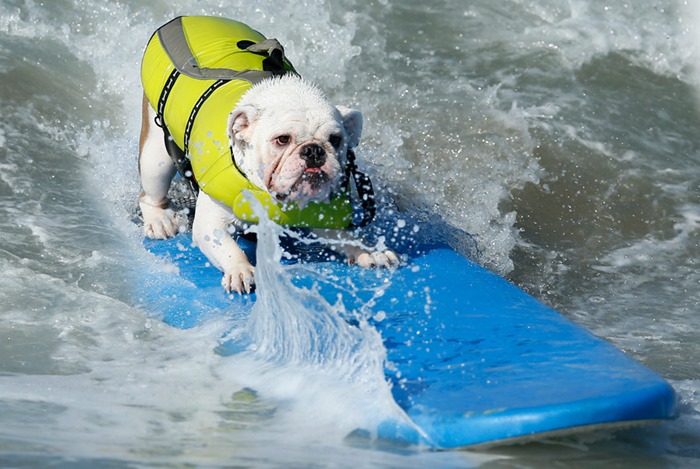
column 274, row 63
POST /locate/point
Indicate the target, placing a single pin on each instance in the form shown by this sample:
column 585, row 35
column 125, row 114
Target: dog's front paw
column 239, row 279
column 370, row 260
column 158, row 222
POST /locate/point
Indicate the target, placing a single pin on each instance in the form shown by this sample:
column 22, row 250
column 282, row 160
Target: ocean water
column 563, row 135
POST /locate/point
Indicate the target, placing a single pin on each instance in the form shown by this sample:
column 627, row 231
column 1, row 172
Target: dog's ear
column 352, row 121
column 240, row 123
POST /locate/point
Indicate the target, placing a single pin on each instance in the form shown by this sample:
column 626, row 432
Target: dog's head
column 290, row 141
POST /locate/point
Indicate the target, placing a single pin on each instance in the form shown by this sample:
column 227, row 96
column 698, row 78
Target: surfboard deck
column 474, row 360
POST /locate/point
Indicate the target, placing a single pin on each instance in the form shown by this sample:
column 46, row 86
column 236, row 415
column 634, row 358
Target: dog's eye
column 283, row 140
column 335, row 140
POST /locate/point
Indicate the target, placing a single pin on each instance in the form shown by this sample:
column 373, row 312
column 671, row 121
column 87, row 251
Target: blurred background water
column 561, row 134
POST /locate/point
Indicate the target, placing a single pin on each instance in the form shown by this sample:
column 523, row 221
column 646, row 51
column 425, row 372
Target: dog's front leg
column 210, row 234
column 157, row 171
column 355, row 252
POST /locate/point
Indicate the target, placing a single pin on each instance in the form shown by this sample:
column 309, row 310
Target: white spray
column 327, row 373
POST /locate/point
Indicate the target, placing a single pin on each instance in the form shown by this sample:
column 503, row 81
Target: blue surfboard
column 475, row 360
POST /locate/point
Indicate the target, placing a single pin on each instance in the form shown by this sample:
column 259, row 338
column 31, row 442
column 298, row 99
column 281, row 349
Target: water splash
column 322, row 361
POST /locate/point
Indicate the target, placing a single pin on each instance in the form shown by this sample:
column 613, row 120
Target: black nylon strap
column 365, row 191
column 195, row 110
column 163, row 98
column 179, row 157
column 182, row 162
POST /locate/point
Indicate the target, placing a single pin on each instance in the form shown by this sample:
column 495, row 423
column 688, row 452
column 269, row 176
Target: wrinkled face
column 300, row 153
column 291, row 142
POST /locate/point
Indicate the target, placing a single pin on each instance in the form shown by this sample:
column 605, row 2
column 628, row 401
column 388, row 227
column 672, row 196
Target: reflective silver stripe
column 172, row 38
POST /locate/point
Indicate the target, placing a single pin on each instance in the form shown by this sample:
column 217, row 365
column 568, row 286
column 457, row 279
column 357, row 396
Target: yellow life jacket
column 193, row 58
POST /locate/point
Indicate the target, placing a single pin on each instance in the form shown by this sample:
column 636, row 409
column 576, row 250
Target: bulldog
column 289, row 141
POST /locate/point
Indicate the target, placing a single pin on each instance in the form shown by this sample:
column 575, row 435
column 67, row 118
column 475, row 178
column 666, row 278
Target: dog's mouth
column 311, row 182
column 315, row 177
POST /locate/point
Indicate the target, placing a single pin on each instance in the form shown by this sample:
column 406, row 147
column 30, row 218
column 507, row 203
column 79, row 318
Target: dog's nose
column 314, row 155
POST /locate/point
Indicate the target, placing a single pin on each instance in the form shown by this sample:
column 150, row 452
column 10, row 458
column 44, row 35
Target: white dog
column 289, row 141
